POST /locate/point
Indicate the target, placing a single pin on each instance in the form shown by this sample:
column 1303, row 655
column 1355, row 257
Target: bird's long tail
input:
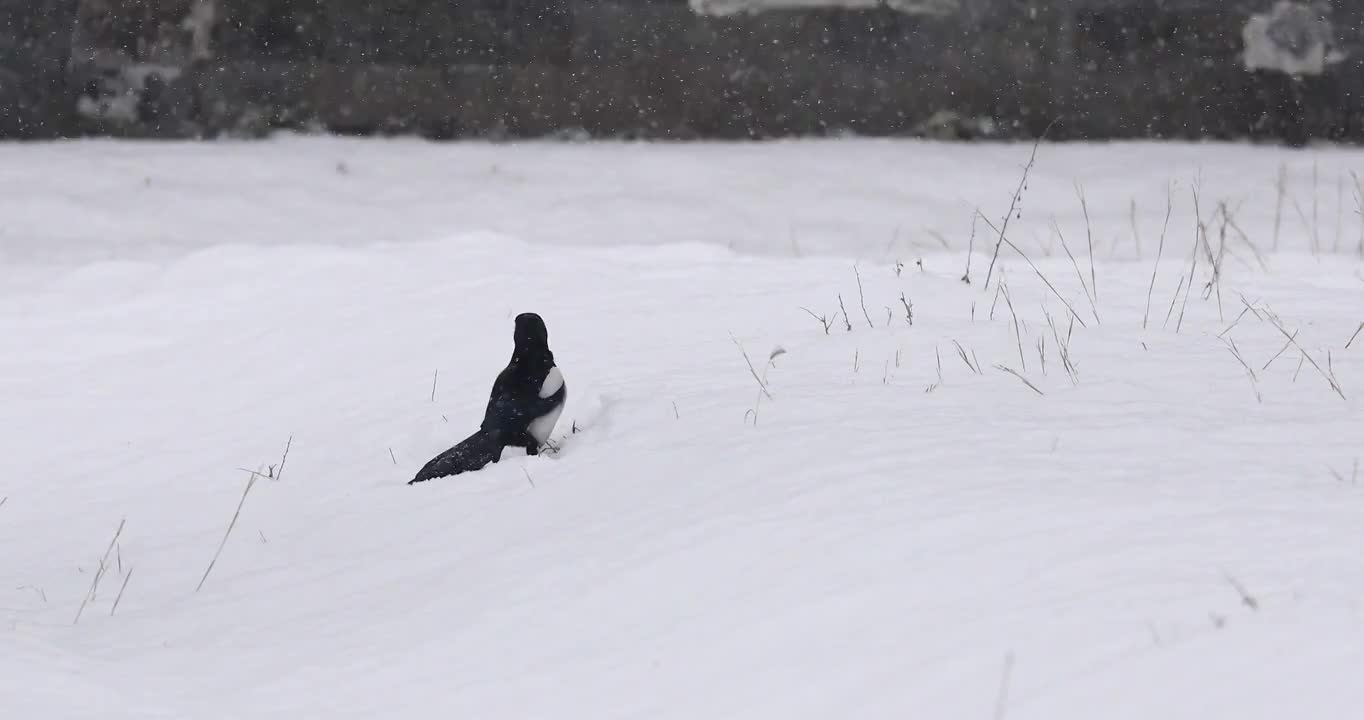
column 472, row 453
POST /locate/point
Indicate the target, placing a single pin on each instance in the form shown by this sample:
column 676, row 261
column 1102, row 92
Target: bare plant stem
column 844, row 310
column 250, row 483
column 761, row 385
column 824, row 322
column 99, row 572
column 970, row 249
column 1035, row 269
column 1089, row 233
column 1193, row 266
column 1329, row 377
column 1169, row 206
column 861, row 298
column 1347, row 346
column 121, row 588
column 1018, row 375
column 1088, row 295
column 1013, row 204
column 1018, row 333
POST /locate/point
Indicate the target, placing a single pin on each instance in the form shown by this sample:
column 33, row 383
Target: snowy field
column 1101, row 488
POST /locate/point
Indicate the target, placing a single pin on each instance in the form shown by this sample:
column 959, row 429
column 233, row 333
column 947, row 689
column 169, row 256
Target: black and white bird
column 527, row 399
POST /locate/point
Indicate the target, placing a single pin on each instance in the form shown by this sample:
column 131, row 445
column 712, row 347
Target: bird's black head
column 532, row 338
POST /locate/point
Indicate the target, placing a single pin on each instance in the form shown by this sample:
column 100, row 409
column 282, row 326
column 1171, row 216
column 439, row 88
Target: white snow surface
column 891, row 534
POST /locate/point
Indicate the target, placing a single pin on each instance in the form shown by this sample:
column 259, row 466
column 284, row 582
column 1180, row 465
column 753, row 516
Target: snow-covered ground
column 905, row 529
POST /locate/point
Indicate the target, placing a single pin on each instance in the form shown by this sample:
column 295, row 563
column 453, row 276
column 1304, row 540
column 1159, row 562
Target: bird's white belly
column 553, row 381
column 541, row 427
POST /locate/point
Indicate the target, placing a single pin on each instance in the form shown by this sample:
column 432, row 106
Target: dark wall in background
column 654, row 68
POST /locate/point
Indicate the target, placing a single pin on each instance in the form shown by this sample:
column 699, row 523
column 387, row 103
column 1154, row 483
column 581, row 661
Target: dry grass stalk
column 1215, row 284
column 1254, row 381
column 1035, row 269
column 861, row 298
column 1292, row 338
column 844, row 311
column 1347, row 346
column 1245, row 240
column 1281, row 351
column 121, row 589
column 966, row 359
column 1018, row 334
column 1089, row 233
column 274, row 474
column 1234, row 323
column 970, row 248
column 1018, row 375
column 99, row 572
column 753, row 371
column 1013, row 203
column 1089, row 295
column 1169, row 207
column 824, row 322
column 1174, row 301
column 1062, row 349
column 250, row 483
column 1200, row 231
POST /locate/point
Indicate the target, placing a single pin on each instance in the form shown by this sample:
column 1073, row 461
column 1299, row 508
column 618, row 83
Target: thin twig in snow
column 1199, row 232
column 862, row 298
column 1234, row 323
column 970, row 249
column 1018, row 375
column 121, row 588
column 1169, row 207
column 250, row 483
column 1282, row 350
column 1173, row 301
column 824, row 322
column 1073, row 263
column 1329, row 377
column 1035, row 269
column 1013, row 204
column 964, row 358
column 761, row 385
column 1089, row 233
column 99, row 573
column 1246, row 598
column 1018, row 334
column 1347, row 346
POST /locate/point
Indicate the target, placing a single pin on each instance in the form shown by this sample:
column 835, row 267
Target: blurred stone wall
column 658, row 68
